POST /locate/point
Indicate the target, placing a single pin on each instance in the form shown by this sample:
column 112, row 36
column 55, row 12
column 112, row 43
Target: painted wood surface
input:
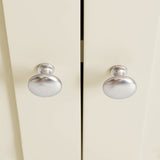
column 126, row 33
column 46, row 31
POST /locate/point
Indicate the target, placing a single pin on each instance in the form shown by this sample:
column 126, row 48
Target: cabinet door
column 126, row 33
column 46, row 31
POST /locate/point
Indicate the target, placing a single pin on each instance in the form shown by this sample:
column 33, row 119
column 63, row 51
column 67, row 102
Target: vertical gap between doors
column 81, row 110
column 82, row 68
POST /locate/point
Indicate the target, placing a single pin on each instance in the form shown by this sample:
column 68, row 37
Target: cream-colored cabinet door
column 122, row 32
column 46, row 31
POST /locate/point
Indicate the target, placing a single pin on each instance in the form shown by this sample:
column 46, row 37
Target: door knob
column 45, row 84
column 119, row 86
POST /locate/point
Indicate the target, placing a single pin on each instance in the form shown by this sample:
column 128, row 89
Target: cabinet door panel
column 151, row 132
column 46, row 31
column 10, row 141
column 118, row 33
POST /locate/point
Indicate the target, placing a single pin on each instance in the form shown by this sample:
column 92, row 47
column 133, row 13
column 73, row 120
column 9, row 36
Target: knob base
column 118, row 70
column 45, row 68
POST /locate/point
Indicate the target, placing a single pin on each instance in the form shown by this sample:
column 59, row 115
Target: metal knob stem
column 119, row 86
column 45, row 84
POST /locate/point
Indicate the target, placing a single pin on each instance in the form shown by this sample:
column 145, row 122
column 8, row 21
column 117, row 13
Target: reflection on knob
column 45, row 84
column 119, row 86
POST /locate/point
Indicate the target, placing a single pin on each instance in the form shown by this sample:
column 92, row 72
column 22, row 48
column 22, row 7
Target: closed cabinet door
column 124, row 33
column 45, row 32
column 44, row 88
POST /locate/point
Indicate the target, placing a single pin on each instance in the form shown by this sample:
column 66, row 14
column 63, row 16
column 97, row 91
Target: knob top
column 44, row 84
column 119, row 86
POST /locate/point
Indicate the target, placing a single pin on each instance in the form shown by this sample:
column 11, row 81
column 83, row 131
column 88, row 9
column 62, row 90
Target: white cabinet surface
column 46, row 32
column 126, row 33
column 10, row 141
column 116, row 32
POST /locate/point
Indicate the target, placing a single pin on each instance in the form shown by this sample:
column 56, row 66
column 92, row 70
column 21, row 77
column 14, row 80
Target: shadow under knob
column 119, row 86
column 45, row 84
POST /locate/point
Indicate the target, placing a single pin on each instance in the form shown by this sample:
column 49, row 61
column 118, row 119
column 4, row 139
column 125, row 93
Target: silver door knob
column 45, row 84
column 119, row 86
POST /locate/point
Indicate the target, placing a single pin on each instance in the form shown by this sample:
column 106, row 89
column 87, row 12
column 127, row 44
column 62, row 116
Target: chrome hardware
column 119, row 86
column 45, row 84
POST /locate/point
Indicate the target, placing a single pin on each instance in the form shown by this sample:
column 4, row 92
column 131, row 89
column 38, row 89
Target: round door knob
column 45, row 84
column 119, row 86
